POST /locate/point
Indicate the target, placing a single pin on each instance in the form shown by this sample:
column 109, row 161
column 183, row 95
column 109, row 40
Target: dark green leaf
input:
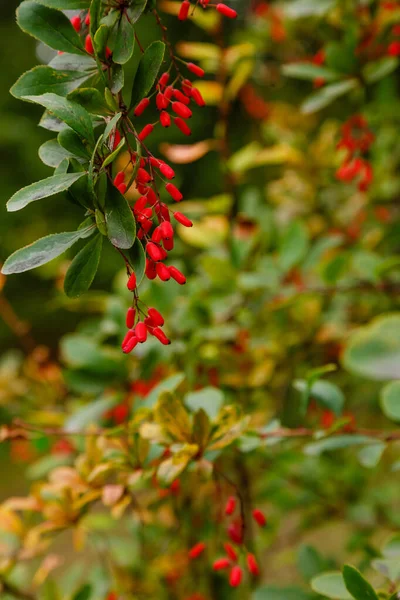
column 121, row 225
column 42, row 79
column 69, row 112
column 326, row 393
column 90, row 99
column 100, row 40
column 358, row 587
column 83, row 593
column 83, row 268
column 52, row 154
column 136, row 10
column 71, row 142
column 117, row 79
column 41, row 252
column 73, row 62
column 41, row 189
column 147, row 72
column 137, row 259
column 124, row 41
column 49, row 26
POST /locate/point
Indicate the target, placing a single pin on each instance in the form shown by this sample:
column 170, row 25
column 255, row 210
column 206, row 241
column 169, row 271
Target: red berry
column 230, row 505
column 197, row 550
column 180, row 123
column 235, row 532
column 173, row 192
column 169, row 92
column 259, row 517
column 177, row 275
column 89, row 44
column 122, row 188
column 76, row 23
column 235, row 576
column 252, row 564
column 154, row 251
column 197, row 97
column 120, row 413
column 184, row 10
column 157, row 235
column 226, row 11
column 119, row 178
column 168, row 244
column 195, row 69
column 231, row 552
column 221, row 563
column 131, row 285
column 182, row 219
column 162, row 82
column 156, row 317
column 87, row 19
column 181, row 110
column 108, row 52
column 151, row 269
column 129, row 342
column 163, row 272
column 167, row 230
column 146, row 131
column 140, row 204
column 161, row 101
column 166, row 170
column 160, row 335
column 165, row 119
column 130, row 317
column 181, row 97
column 141, row 107
column 141, row 332
column 143, row 176
column 117, row 139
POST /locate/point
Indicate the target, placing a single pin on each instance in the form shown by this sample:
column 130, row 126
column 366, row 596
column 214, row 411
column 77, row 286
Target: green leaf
column 124, row 41
column 82, row 352
column 42, row 189
column 272, row 592
column 135, row 10
column 390, row 400
column 327, row 95
column 100, row 40
column 326, row 393
column 73, row 62
column 309, row 71
column 52, row 154
column 117, row 79
column 95, row 12
column 72, row 143
column 121, row 226
column 337, row 442
column 71, row 113
column 49, row 26
column 66, row 4
column 42, row 467
column 375, row 71
column 111, row 157
column 41, row 252
column 358, row 587
column 170, row 384
column 309, row 562
column 137, row 259
column 90, row 99
column 391, row 549
column 388, row 567
column 299, row 9
column 42, row 79
column 331, row 585
column 209, row 399
column 293, row 245
column 370, row 455
column 90, row 414
column 373, row 351
column 147, row 72
column 83, row 268
column 83, row 593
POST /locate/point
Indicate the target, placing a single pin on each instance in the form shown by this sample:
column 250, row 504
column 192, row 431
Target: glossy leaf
column 51, row 153
column 49, row 26
column 121, row 226
column 42, row 189
column 71, row 113
column 147, row 72
column 42, row 79
column 83, row 268
column 358, row 587
column 41, row 252
column 124, row 41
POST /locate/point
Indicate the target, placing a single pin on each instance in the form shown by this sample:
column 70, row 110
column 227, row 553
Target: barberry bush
column 234, row 437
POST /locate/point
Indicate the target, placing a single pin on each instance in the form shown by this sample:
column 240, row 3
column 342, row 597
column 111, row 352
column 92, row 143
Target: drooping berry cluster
column 356, row 140
column 233, row 556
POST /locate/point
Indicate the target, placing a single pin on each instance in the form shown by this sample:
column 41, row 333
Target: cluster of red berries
column 223, row 9
column 138, row 329
column 356, row 140
column 232, row 558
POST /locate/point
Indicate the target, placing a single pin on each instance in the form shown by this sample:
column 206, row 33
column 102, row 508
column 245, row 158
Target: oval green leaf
column 358, row 587
column 42, row 189
column 83, row 268
column 331, row 585
column 147, row 72
column 121, row 226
